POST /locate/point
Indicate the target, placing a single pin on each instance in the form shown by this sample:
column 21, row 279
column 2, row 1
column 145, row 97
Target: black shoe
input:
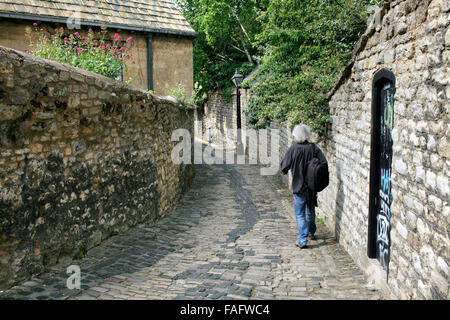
column 301, row 246
column 311, row 238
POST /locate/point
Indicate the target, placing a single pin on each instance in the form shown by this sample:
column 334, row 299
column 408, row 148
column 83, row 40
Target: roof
column 159, row 16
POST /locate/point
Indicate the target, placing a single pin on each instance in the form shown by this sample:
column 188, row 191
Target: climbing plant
column 306, row 45
column 300, row 47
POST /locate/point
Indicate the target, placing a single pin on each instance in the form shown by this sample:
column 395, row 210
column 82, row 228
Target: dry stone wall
column 412, row 39
column 82, row 157
column 217, row 118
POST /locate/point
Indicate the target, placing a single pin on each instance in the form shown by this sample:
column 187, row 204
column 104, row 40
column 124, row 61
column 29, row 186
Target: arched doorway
column 379, row 242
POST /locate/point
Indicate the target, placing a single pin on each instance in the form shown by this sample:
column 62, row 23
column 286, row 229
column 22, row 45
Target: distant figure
column 296, row 160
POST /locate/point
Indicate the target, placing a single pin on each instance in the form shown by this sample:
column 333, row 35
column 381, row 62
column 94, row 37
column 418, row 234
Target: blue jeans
column 305, row 216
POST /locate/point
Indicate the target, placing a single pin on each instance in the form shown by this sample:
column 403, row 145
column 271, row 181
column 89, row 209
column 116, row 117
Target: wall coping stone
column 91, row 77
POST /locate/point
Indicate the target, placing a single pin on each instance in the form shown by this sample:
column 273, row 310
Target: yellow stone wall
column 12, row 34
column 172, row 63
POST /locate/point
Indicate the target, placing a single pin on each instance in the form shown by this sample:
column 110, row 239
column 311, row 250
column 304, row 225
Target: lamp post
column 237, row 80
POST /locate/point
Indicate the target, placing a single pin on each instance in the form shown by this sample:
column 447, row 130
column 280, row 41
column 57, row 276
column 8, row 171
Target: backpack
column 317, row 175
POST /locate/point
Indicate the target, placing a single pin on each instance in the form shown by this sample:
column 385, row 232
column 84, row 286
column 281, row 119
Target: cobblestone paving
column 232, row 237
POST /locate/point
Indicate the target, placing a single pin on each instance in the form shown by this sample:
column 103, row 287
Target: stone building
column 162, row 46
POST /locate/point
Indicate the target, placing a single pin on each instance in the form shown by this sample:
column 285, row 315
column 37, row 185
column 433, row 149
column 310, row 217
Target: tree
column 227, row 32
column 306, row 44
column 300, row 45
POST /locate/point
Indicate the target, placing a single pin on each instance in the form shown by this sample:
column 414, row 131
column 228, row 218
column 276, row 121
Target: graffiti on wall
column 385, row 191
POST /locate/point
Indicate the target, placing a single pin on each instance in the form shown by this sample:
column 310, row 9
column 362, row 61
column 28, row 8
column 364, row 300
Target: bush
column 306, row 44
column 91, row 52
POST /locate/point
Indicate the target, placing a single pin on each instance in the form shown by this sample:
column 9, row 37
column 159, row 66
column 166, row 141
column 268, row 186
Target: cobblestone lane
column 232, row 237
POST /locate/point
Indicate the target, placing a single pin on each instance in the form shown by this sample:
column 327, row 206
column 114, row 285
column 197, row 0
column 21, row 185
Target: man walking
column 305, row 200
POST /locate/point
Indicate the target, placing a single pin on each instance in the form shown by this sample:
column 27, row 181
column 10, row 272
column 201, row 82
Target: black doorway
column 379, row 242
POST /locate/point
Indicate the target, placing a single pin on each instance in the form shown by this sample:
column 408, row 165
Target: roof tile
column 140, row 14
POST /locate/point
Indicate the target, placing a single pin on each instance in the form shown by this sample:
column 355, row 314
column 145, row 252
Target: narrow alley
column 232, row 236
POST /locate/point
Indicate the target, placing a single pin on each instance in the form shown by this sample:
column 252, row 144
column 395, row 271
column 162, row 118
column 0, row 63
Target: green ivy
column 306, row 46
column 301, row 47
column 220, row 46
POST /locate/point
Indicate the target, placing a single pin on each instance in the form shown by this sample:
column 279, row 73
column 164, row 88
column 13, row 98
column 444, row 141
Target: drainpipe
column 150, row 61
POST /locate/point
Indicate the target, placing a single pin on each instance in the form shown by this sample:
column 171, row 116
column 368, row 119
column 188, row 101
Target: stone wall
column 12, row 34
column 220, row 115
column 82, row 157
column 412, row 40
column 172, row 64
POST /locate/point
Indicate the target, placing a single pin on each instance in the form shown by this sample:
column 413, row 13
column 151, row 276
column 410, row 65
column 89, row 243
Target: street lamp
column 237, row 80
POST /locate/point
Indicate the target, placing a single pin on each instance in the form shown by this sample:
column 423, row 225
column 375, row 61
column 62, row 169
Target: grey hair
column 301, row 133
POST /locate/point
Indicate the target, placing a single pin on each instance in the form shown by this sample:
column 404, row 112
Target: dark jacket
column 296, row 159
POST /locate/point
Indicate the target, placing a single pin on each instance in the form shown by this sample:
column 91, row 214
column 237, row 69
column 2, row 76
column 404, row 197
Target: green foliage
column 226, row 40
column 320, row 221
column 179, row 92
column 91, row 52
column 198, row 96
column 306, row 45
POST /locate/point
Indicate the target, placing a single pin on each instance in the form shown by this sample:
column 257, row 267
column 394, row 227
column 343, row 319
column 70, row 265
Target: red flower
column 35, row 24
column 129, row 39
column 77, row 33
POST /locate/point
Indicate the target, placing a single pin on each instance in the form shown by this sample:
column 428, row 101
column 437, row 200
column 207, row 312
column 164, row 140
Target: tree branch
column 238, row 21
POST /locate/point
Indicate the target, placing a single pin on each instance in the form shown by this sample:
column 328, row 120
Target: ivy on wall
column 300, row 47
